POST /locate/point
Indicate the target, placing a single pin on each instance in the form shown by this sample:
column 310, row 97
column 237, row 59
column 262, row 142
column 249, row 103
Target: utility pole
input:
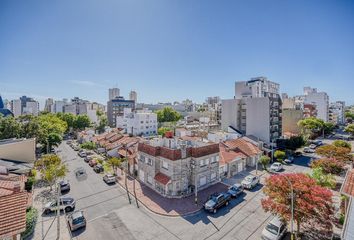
column 126, row 172
column 58, row 211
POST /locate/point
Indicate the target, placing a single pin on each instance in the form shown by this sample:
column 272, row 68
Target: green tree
column 167, row 114
column 328, row 165
column 323, row 179
column 69, row 118
column 341, row 143
column 264, row 160
column 328, row 127
column 280, row 155
column 102, row 124
column 310, row 126
column 350, row 129
column 81, row 122
column 9, row 127
column 162, row 130
column 349, row 115
column 51, row 168
column 339, row 153
column 54, row 139
column 88, row 145
column 115, row 163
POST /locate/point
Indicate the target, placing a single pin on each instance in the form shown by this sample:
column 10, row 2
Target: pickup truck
column 216, row 201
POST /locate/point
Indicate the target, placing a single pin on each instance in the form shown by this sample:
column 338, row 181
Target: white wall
column 229, row 113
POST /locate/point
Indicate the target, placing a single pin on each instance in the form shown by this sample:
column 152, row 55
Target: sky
column 170, row 50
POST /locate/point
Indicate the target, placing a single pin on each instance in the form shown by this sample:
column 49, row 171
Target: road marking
column 104, row 215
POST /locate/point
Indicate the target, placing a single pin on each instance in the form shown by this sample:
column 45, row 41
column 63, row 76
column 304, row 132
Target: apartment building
column 113, row 93
column 309, row 110
column 255, row 110
column 48, row 107
column 115, row 108
column 337, row 112
column 175, row 168
column 16, row 107
column 31, row 107
column 138, row 123
column 133, row 96
column 320, row 99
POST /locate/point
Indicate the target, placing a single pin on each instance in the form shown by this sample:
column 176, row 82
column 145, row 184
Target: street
column 110, row 216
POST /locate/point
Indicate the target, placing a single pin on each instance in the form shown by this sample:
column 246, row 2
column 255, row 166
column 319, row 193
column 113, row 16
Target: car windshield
column 78, row 220
column 272, row 228
column 249, row 178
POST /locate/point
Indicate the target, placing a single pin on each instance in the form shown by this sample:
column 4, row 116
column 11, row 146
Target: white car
column 313, row 146
column 109, row 178
column 308, row 150
column 250, row 182
column 274, row 230
column 276, row 167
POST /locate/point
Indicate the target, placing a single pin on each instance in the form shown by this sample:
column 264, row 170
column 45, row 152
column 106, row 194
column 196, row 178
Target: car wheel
column 68, row 209
column 214, row 211
column 227, row 203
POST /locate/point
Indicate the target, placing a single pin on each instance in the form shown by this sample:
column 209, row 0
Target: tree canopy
column 264, row 160
column 81, row 122
column 314, row 126
column 350, row 129
column 313, row 203
column 342, row 143
column 280, row 155
column 9, row 128
column 331, row 151
column 328, row 165
column 51, row 168
column 322, row 178
column 168, row 114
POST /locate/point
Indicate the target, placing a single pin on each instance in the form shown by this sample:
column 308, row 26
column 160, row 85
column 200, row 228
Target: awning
column 162, row 178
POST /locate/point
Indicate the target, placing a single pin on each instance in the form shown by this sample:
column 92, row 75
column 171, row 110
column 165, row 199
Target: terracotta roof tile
column 244, row 146
column 162, row 178
column 348, row 187
column 13, row 214
column 226, row 157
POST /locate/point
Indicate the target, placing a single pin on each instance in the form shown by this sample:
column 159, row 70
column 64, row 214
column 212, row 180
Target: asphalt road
column 110, row 216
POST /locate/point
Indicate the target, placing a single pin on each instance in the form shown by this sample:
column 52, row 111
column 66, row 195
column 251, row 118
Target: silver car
column 77, row 220
column 66, row 203
column 109, row 178
column 274, row 230
column 250, row 181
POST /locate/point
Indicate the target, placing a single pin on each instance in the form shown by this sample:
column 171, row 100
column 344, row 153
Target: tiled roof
column 348, row 185
column 162, row 178
column 226, row 156
column 249, row 149
column 13, row 214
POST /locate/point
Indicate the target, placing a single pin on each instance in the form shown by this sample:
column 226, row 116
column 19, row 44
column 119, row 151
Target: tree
column 350, row 129
column 349, row 115
column 88, row 145
column 341, row 143
column 69, row 118
column 167, row 114
column 162, row 130
column 328, row 127
column 280, row 155
column 264, row 160
column 102, row 124
column 54, row 139
column 51, row 168
column 81, row 122
column 311, row 126
column 312, row 203
column 114, row 163
column 323, row 179
column 9, row 127
column 331, row 151
column 328, row 165
column 294, row 142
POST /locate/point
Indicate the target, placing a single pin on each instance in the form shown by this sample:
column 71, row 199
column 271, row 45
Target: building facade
column 176, row 168
column 320, row 99
column 115, row 108
column 337, row 112
column 133, row 96
column 138, row 123
column 16, row 107
column 113, row 93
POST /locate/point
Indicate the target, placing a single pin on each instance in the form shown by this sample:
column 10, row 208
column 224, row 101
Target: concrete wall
column 258, row 117
column 322, row 104
column 229, row 113
column 22, row 150
column 290, row 119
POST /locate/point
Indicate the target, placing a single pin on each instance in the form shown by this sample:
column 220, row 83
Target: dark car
column 76, row 220
column 64, row 185
column 217, row 201
column 98, row 168
column 235, row 190
column 87, row 158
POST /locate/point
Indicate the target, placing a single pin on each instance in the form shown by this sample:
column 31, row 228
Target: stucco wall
column 22, row 151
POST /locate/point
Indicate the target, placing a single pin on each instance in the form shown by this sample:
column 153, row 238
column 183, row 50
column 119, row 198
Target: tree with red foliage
column 328, row 165
column 312, row 203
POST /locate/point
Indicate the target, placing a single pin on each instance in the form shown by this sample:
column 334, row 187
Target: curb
column 159, row 213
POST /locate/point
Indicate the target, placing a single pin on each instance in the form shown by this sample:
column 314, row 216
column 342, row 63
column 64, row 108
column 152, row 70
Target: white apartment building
column 337, row 112
column 16, row 108
column 139, row 122
column 320, row 99
column 31, row 108
column 113, row 93
column 48, row 105
column 133, row 96
column 256, row 109
column 59, row 106
column 70, row 108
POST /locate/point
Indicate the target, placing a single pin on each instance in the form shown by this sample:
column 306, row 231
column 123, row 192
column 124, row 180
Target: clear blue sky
column 170, row 50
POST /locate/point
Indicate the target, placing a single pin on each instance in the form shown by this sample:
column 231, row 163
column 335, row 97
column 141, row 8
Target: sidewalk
column 170, row 206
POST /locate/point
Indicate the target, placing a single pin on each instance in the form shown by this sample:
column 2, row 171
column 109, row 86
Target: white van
column 274, row 230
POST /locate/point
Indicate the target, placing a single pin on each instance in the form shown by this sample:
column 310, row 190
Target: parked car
column 66, row 203
column 88, row 153
column 76, row 148
column 289, row 160
column 308, row 150
column 87, row 158
column 274, row 230
column 217, row 201
column 235, row 190
column 92, row 163
column 250, row 181
column 276, row 167
column 76, row 220
column 64, row 185
column 82, row 153
column 98, row 168
column 109, row 178
column 318, row 142
column 298, row 154
column 69, row 142
column 313, row 146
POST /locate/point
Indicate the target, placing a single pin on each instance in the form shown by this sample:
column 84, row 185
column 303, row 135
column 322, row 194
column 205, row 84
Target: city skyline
column 53, row 50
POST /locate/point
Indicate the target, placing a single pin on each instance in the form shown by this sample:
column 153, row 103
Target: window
column 142, row 158
column 141, row 122
column 202, row 163
column 207, row 161
column 165, row 165
column 149, row 161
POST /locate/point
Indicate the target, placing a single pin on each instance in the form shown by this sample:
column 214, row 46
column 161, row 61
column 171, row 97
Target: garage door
column 141, row 175
column 202, row 181
column 239, row 167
